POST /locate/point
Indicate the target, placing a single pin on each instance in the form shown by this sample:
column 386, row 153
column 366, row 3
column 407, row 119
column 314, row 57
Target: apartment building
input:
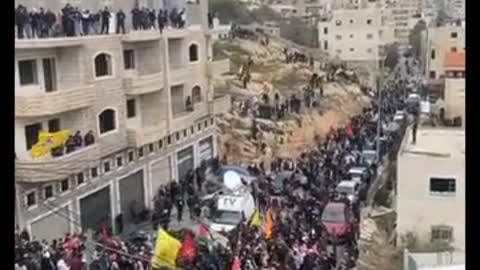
column 455, row 9
column 146, row 98
column 454, row 91
column 353, row 35
column 398, row 18
column 436, row 43
column 431, row 186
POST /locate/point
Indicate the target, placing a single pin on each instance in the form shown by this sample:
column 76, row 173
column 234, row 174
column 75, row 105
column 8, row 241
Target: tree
column 230, row 11
column 415, row 37
column 392, row 57
column 265, row 13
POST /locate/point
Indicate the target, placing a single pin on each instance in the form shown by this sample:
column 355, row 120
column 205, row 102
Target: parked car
column 350, row 189
column 337, row 219
column 359, row 174
column 369, row 157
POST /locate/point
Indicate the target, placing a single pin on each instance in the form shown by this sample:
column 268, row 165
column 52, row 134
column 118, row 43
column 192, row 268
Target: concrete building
column 454, row 92
column 436, row 43
column 431, row 186
column 131, row 91
column 433, row 260
column 220, row 31
column 398, row 17
column 353, row 35
column 455, row 9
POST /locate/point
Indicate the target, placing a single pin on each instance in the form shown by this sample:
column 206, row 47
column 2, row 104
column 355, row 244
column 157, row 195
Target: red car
column 337, row 219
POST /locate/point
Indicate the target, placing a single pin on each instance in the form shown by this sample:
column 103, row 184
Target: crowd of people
column 74, row 21
column 73, row 143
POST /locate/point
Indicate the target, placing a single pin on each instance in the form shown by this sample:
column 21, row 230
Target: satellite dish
column 232, row 180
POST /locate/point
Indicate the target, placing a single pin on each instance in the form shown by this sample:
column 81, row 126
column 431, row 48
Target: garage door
column 53, row 226
column 161, row 173
column 205, row 149
column 131, row 192
column 95, row 209
column 184, row 162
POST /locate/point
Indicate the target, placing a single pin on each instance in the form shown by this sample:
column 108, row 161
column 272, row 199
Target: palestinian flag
column 204, row 236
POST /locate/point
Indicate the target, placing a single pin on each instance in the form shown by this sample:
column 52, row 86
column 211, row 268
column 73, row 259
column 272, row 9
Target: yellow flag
column 47, row 141
column 255, row 219
column 166, row 249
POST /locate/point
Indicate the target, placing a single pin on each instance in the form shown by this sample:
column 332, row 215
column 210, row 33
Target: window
column 169, row 140
column 369, row 50
column 212, row 121
column 442, row 185
column 31, row 134
column 140, row 152
column 338, row 37
column 192, row 130
column 106, row 166
column 325, row 45
column 338, row 22
column 351, row 36
column 31, row 199
column 196, row 94
column 130, row 156
column 54, row 125
column 131, row 112
column 453, row 34
column 369, row 36
column 107, row 121
column 80, row 178
column 352, row 49
column 119, row 162
column 352, row 21
column 193, row 52
column 177, row 136
column 199, row 127
column 151, row 148
column 103, row 65
column 442, row 233
column 205, row 124
column 369, row 21
column 453, row 49
column 64, row 185
column 48, row 192
column 325, row 30
column 433, row 74
column 185, row 133
column 49, row 74
column 129, row 59
column 160, row 144
column 27, row 70
column 94, row 172
column 432, row 54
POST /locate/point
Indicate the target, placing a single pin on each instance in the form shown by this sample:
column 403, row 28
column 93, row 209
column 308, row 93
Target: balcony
column 186, row 119
column 144, row 84
column 58, row 168
column 183, row 73
column 219, row 67
column 141, row 36
column 141, row 136
column 48, row 43
column 220, row 104
column 43, row 104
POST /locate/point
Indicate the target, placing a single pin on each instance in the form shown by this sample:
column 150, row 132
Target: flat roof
column 435, row 142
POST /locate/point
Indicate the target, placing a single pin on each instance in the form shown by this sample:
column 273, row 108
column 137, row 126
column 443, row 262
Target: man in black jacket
column 105, row 21
column 120, row 21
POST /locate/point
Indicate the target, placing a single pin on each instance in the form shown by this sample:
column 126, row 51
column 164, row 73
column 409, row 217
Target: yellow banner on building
column 47, row 141
column 166, row 249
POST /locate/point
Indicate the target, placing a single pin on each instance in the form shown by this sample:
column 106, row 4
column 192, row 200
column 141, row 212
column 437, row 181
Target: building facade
column 146, row 98
column 353, row 35
column 454, row 91
column 431, row 186
column 436, row 43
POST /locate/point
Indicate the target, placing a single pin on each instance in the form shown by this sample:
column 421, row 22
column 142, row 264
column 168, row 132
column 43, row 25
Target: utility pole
column 379, row 86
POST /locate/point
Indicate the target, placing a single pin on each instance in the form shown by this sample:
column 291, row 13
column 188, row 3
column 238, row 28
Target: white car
column 350, row 188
